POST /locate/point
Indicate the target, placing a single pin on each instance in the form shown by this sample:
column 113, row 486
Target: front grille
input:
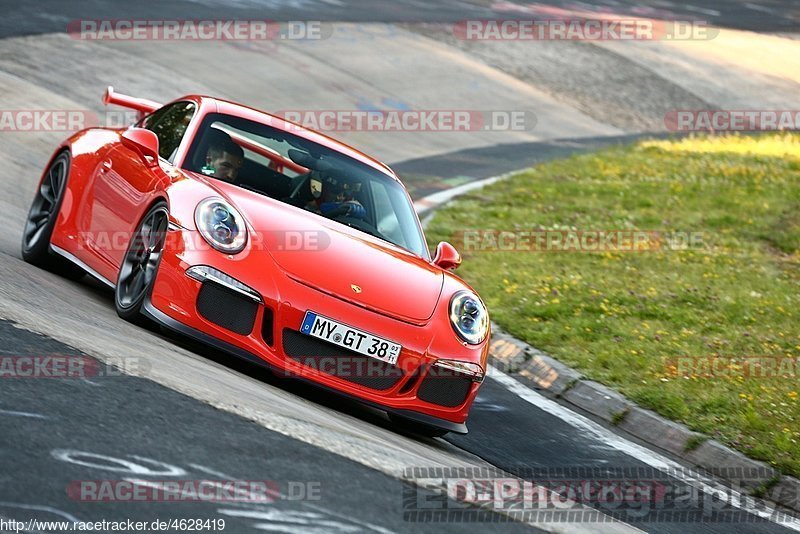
column 444, row 387
column 340, row 362
column 226, row 308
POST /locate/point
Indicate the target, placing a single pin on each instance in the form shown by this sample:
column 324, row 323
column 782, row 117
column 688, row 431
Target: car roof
column 238, row 110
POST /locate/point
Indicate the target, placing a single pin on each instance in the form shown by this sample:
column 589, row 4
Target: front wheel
column 138, row 270
column 41, row 221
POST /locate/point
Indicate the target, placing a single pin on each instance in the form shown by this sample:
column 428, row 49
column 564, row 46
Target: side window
column 169, row 124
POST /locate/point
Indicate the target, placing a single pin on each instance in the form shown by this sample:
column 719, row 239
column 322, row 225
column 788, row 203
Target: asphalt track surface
column 116, row 427
column 188, row 412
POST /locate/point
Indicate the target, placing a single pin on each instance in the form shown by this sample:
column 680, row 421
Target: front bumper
column 267, row 333
column 165, row 320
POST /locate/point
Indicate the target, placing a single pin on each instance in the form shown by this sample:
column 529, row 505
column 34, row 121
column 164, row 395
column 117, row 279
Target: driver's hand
column 333, row 209
column 355, row 210
column 351, row 208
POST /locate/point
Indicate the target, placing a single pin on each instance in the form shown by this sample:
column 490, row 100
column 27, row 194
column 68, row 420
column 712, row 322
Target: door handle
column 106, row 166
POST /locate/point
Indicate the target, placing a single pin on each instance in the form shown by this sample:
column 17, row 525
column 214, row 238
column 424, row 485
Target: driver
column 224, row 158
column 337, row 199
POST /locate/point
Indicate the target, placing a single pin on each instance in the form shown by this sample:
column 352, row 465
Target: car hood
column 338, row 260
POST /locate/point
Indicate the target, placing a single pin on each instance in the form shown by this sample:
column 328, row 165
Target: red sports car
column 272, row 242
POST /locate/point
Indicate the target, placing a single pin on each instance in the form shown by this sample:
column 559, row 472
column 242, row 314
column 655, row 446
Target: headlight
column 221, row 225
column 469, row 317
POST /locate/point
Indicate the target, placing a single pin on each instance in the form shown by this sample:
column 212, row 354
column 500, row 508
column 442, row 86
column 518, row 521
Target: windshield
column 307, row 175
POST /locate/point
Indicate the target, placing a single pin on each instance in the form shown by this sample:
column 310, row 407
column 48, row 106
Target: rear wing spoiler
column 142, row 105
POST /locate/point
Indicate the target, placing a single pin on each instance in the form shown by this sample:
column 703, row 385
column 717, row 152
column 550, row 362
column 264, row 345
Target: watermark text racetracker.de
column 62, row 120
column 606, row 28
column 491, row 240
column 69, row 366
column 411, row 120
column 732, row 120
column 196, row 30
column 193, row 240
column 207, row 490
column 44, row 120
column 766, row 367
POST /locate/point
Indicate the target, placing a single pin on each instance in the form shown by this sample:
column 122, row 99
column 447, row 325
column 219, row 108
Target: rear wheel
column 138, row 270
column 42, row 218
column 413, row 427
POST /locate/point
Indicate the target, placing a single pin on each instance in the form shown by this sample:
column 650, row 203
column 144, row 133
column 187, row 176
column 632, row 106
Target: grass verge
column 707, row 334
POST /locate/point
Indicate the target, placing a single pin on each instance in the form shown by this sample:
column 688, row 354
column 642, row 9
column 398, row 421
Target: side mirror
column 142, row 141
column 447, row 257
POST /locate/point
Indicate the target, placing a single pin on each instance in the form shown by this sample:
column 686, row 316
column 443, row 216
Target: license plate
column 350, row 338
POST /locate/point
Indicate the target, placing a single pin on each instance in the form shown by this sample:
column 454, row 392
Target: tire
column 41, row 221
column 413, row 427
column 140, row 264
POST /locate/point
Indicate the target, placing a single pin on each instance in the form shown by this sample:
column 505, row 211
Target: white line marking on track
column 110, row 463
column 702, row 10
column 644, row 455
column 209, row 471
column 370, row 526
column 756, row 7
column 23, row 414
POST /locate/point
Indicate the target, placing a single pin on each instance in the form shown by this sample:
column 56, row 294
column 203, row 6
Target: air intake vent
column 444, row 387
column 226, row 308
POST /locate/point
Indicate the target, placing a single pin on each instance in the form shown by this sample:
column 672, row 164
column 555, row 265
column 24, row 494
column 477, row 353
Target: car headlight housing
column 469, row 317
column 221, row 225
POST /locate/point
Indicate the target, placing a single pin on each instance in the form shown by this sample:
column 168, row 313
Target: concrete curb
column 560, row 382
column 567, row 386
